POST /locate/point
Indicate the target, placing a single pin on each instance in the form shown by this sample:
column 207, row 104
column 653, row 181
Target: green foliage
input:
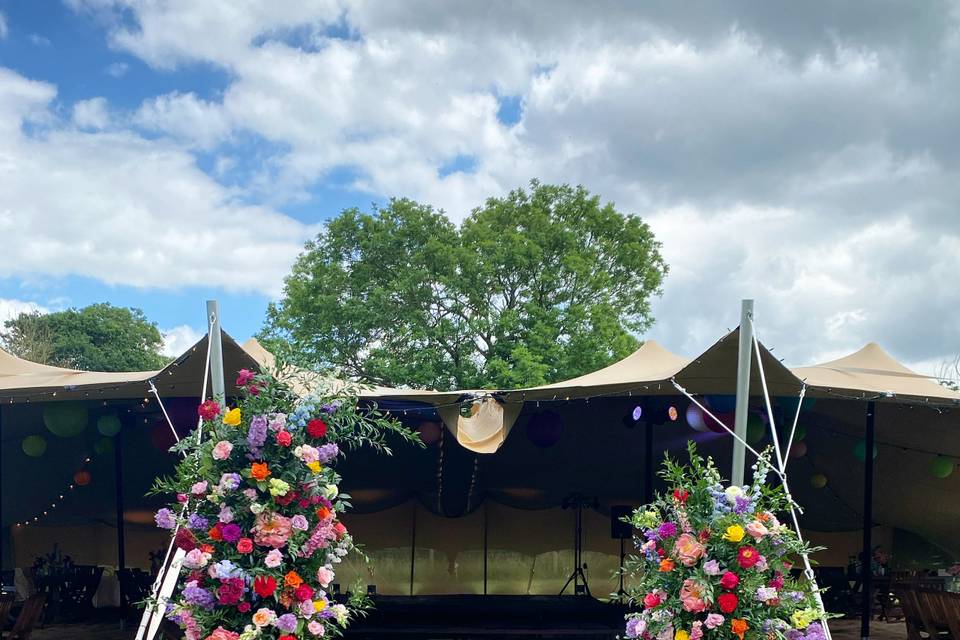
column 540, row 285
column 99, row 337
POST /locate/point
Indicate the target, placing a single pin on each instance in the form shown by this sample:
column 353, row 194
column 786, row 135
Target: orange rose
column 292, row 579
column 259, row 470
column 739, row 626
column 667, row 565
column 207, row 548
column 323, row 513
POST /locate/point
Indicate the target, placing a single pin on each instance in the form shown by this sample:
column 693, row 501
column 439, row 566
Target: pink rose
column 307, row 609
column 315, row 628
column 199, row 488
column 299, row 523
column 713, row 620
column 688, row 549
column 222, row 634
column 325, row 576
column 273, row 559
column 757, row 530
column 221, row 450
column 692, row 596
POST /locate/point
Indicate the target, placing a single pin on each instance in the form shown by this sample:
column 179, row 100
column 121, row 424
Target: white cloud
column 4, row 29
column 805, row 157
column 178, row 339
column 117, row 69
column 11, row 308
column 126, row 210
column 91, row 114
column 39, row 40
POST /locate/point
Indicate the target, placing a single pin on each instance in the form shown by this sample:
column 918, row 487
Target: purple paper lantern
column 544, row 428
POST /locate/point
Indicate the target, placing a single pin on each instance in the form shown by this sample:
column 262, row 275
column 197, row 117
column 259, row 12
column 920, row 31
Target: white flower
column 256, row 508
column 331, row 491
column 733, row 493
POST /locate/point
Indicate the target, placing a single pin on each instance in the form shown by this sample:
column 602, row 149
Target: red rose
column 243, row 607
column 704, row 535
column 209, row 410
column 730, row 580
column 264, row 586
column 303, row 592
column 777, row 582
column 284, row 438
column 317, row 428
column 339, row 529
column 230, row 591
column 215, row 532
column 747, row 557
column 651, row 600
column 286, row 499
column 254, row 389
column 681, row 495
column 185, row 540
column 244, row 545
column 661, row 552
column 727, row 602
column 287, row 636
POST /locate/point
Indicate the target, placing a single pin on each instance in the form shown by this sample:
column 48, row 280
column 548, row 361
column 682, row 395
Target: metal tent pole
column 121, row 541
column 216, row 351
column 866, row 571
column 648, row 465
column 743, row 392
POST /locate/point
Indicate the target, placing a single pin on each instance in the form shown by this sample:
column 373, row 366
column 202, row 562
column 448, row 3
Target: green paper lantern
column 108, row 425
column 755, row 428
column 34, row 446
column 103, row 446
column 860, row 451
column 942, row 467
column 818, row 481
column 65, row 419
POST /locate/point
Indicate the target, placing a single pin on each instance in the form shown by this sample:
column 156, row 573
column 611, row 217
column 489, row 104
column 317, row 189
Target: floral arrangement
column 715, row 562
column 258, row 509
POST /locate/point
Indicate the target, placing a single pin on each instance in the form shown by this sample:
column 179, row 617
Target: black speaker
column 619, row 529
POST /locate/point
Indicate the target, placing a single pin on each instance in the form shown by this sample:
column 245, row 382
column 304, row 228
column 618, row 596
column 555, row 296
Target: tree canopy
column 99, row 337
column 543, row 284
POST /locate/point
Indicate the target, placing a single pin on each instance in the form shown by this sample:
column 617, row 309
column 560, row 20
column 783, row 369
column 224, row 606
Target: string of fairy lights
column 79, row 480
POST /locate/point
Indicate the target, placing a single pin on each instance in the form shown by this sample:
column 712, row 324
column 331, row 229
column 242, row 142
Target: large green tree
column 99, row 337
column 541, row 285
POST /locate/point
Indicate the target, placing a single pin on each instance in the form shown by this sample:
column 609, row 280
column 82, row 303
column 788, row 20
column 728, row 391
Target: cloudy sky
column 156, row 153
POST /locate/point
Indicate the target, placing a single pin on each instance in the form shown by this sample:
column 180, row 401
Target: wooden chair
column 940, row 608
column 28, row 618
column 950, row 603
column 919, row 625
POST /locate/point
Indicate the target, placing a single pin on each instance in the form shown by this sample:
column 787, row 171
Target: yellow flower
column 319, row 605
column 734, row 533
column 232, row 418
column 314, row 466
column 681, row 635
column 802, row 619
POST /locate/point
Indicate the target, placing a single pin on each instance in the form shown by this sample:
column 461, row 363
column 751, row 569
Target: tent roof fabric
column 21, row 379
column 871, row 370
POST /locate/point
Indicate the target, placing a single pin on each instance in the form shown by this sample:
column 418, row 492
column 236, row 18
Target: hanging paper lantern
column 726, row 418
column 696, row 418
column 755, row 428
column 82, row 478
column 34, row 446
column 108, row 425
column 860, row 451
column 103, row 446
column 722, row 404
column 818, row 481
column 798, row 450
column 544, row 428
column 942, row 467
column 65, row 419
column 430, row 431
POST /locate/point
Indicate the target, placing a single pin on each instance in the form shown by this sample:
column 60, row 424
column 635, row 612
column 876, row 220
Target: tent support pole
column 413, row 544
column 121, row 542
column 648, row 465
column 743, row 392
column 216, row 351
column 866, row 571
column 486, row 530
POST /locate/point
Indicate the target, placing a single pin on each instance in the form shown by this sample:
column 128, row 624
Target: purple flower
column 257, row 435
column 330, row 408
column 815, row 632
column 299, row 522
column 197, row 522
column 328, row 452
column 230, row 481
column 165, row 519
column 231, row 532
column 667, row 530
column 742, row 505
column 286, row 623
column 197, row 596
